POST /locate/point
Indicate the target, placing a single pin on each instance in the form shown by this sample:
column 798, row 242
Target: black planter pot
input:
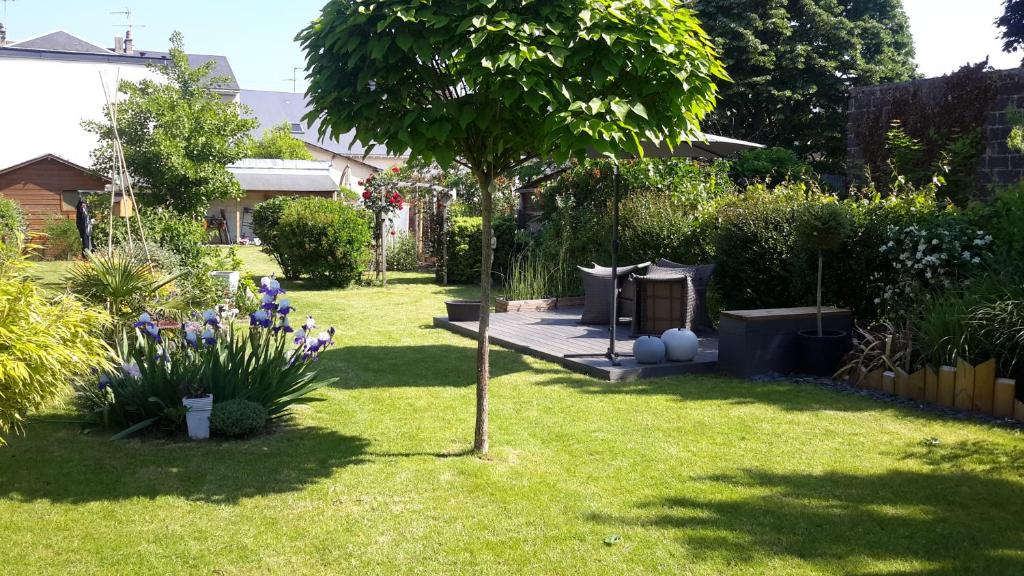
column 463, row 310
column 821, row 355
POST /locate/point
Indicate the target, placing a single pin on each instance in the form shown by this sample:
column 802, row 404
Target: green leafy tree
column 493, row 84
column 279, row 143
column 793, row 63
column 1012, row 25
column 178, row 135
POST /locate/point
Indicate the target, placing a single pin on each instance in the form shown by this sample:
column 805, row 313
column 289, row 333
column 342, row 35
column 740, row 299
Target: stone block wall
column 998, row 166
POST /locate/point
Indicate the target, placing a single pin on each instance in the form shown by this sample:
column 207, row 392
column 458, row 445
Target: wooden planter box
column 965, row 387
column 502, row 305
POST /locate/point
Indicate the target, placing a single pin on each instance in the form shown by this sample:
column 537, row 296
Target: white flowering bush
column 927, row 257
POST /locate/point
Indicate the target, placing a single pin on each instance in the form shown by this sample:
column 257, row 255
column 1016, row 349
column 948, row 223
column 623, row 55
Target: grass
column 696, row 475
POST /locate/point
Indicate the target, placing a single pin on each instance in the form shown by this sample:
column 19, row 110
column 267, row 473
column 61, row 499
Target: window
column 297, row 128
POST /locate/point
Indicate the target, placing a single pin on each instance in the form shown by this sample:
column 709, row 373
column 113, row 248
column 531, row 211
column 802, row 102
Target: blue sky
column 256, row 35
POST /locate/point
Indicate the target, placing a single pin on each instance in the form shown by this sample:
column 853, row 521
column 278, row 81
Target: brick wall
column 38, row 188
column 999, row 165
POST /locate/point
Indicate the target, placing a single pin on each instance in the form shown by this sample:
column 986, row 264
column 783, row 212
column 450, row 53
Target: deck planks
column 553, row 334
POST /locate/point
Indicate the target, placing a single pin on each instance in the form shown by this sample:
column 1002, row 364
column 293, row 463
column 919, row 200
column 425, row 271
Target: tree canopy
column 278, row 143
column 793, row 63
column 178, row 135
column 1012, row 25
column 490, row 84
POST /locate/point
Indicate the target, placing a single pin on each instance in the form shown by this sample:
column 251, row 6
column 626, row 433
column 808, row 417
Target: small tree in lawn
column 822, row 227
column 493, row 84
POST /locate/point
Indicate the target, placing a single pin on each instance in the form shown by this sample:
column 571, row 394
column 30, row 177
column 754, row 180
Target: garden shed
column 48, row 186
column 261, row 180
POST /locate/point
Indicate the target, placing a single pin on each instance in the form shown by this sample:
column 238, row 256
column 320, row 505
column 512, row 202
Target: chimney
column 118, row 45
column 128, row 42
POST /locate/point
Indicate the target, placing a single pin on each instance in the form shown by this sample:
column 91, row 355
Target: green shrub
column 770, row 166
column 265, row 218
column 237, row 418
column 12, row 220
column 402, row 254
column 62, row 239
column 45, row 343
column 1002, row 217
column 464, row 248
column 325, row 240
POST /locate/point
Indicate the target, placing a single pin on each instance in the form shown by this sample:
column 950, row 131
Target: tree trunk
column 820, row 332
column 483, row 352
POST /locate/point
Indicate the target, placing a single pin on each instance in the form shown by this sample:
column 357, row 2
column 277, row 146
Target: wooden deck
column 553, row 334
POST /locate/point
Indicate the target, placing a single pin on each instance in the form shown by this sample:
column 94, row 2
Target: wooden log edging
column 976, row 389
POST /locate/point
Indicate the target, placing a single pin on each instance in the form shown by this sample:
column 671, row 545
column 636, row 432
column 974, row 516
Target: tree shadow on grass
column 787, row 395
column 920, row 523
column 432, row 365
column 970, row 455
column 56, row 463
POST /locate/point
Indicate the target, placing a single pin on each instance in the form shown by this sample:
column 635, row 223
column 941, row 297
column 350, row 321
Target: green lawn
column 697, row 475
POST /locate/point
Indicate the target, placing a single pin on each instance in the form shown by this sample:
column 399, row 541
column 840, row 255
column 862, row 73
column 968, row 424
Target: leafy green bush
column 464, row 248
column 268, row 363
column 62, row 239
column 265, row 218
column 770, row 166
column 44, row 343
column 402, row 254
column 12, row 220
column 237, row 418
column 325, row 240
column 1002, row 217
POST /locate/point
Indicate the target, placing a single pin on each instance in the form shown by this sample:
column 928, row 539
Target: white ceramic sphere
column 649, row 350
column 681, row 345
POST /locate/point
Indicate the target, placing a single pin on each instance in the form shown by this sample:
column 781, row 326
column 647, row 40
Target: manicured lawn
column 697, row 475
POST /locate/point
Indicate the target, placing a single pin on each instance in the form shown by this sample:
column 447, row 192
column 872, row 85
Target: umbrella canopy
column 706, row 146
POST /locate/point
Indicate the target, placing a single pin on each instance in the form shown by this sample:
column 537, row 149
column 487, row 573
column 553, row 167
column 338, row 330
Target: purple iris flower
column 284, row 307
column 284, row 326
column 210, row 318
column 309, row 325
column 104, row 382
column 131, row 370
column 270, row 285
column 192, row 339
column 267, row 302
column 260, row 318
column 300, row 336
column 209, row 337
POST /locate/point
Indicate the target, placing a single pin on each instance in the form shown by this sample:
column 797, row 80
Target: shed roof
column 284, row 175
column 55, row 158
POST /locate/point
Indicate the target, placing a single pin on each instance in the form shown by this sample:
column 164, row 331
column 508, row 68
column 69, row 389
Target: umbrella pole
column 612, row 356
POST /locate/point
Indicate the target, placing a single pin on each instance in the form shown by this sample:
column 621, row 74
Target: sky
column 257, row 35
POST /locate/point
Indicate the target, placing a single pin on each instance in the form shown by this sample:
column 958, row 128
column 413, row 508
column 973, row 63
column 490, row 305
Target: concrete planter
column 502, row 305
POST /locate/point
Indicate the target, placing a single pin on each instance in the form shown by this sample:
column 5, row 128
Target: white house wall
column 43, row 104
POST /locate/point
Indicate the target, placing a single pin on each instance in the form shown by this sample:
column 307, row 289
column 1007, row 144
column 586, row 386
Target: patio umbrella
column 84, row 223
column 706, row 146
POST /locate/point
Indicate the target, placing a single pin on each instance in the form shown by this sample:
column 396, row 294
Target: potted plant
column 821, row 227
column 198, row 405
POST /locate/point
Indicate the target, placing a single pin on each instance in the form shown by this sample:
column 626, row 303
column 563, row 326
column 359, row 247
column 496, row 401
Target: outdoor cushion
column 701, row 275
column 597, row 295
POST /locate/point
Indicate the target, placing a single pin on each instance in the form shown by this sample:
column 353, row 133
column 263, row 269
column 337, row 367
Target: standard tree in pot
column 822, row 227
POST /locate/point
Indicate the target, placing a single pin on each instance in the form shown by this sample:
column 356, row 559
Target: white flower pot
column 198, row 416
column 227, row 277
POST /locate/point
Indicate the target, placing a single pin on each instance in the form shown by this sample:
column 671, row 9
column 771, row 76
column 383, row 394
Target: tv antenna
column 127, row 13
column 294, row 77
column 6, row 2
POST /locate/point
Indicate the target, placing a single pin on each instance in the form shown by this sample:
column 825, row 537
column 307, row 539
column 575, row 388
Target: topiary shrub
column 237, row 418
column 324, row 240
column 464, row 248
column 12, row 220
column 265, row 218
